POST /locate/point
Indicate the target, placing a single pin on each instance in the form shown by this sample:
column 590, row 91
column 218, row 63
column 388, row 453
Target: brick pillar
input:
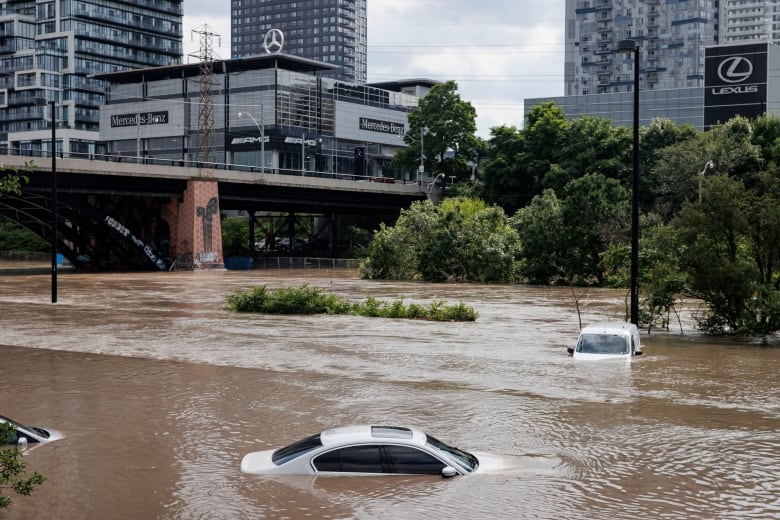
column 199, row 232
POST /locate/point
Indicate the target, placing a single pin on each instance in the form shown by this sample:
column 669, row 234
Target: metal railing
column 186, row 163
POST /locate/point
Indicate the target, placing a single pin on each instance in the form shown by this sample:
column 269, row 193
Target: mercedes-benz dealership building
column 272, row 112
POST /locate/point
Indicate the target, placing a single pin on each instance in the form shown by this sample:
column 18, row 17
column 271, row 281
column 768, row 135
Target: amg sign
column 249, row 140
column 146, row 118
column 385, row 127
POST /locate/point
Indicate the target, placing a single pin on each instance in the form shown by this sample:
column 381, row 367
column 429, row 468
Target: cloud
column 498, row 52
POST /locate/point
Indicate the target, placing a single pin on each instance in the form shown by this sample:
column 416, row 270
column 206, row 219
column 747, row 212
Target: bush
column 312, row 300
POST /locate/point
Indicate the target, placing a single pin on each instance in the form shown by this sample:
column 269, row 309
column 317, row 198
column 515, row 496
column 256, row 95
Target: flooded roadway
column 160, row 392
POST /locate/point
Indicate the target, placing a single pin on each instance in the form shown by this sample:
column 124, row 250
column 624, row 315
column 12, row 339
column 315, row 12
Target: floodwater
column 160, row 392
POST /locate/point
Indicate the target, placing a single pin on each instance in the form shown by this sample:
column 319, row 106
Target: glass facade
column 683, row 106
column 86, row 37
column 309, row 123
column 330, row 31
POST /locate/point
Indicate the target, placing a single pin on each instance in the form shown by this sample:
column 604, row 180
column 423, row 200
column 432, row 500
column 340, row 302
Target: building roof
column 261, row 61
column 398, row 85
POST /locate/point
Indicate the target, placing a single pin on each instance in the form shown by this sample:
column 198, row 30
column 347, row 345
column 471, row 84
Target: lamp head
column 627, row 45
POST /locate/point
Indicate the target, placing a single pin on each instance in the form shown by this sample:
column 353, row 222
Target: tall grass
column 304, row 299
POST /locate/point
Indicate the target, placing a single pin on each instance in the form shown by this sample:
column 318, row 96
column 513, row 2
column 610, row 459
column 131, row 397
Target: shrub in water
column 312, row 300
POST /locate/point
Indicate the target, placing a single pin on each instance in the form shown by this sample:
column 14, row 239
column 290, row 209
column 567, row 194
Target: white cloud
column 498, row 52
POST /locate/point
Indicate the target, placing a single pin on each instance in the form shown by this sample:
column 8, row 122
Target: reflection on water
column 160, row 392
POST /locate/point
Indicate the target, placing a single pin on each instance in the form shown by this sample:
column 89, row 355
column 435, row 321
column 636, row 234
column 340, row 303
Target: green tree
column 660, row 133
column 13, row 469
column 394, row 253
column 461, row 239
column 449, row 127
column 766, row 135
column 541, row 229
column 591, row 145
column 681, row 167
column 11, row 179
column 718, row 257
column 595, row 213
column 519, row 159
column 235, row 237
column 507, row 181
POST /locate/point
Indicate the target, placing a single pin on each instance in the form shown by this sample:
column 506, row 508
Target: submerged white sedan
column 369, row 450
column 24, row 436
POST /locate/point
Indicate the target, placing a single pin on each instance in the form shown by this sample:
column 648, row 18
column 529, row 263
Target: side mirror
column 448, row 472
column 570, row 350
column 21, row 442
column 638, row 353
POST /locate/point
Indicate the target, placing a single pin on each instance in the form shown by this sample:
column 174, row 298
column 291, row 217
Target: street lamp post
column 303, row 154
column 707, row 166
column 260, row 127
column 421, row 169
column 632, row 46
column 54, row 223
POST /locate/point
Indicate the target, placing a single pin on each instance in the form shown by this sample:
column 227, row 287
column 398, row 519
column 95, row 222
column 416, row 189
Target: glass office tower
column 50, row 49
column 330, row 31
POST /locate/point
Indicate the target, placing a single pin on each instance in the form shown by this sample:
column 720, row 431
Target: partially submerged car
column 369, row 450
column 24, row 436
column 607, row 340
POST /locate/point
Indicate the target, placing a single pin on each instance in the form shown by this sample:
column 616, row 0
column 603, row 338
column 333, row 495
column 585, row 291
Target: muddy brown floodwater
column 160, row 392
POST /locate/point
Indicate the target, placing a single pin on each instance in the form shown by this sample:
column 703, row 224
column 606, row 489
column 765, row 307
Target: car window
column 602, row 344
column 409, row 460
column 282, row 455
column 355, row 459
column 466, row 459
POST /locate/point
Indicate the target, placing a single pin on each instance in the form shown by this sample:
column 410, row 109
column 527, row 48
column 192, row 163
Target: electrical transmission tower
column 206, row 107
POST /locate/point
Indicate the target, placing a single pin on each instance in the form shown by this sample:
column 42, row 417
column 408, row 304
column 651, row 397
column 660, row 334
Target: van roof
column 606, row 327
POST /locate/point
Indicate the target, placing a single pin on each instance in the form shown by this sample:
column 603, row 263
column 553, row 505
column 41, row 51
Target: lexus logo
column 735, row 69
column 273, row 41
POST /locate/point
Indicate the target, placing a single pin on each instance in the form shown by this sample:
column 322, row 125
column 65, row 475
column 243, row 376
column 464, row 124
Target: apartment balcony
column 604, row 5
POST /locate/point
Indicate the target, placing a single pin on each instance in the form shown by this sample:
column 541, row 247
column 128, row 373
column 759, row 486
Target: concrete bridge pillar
column 198, row 234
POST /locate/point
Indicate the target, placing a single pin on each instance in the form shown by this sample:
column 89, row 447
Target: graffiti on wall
column 147, row 249
column 183, row 262
column 207, row 216
column 210, row 257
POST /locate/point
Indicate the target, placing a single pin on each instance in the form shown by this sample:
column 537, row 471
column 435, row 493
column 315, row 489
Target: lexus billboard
column 735, row 82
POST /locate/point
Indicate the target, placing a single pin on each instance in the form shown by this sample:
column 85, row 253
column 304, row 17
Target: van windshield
column 603, row 344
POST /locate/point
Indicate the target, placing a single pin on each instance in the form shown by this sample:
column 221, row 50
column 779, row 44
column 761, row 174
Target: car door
column 362, row 458
column 408, row 460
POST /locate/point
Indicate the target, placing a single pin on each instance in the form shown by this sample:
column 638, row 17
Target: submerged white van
column 607, row 340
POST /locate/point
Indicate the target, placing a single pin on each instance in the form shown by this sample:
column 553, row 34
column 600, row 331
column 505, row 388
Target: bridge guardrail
column 184, row 163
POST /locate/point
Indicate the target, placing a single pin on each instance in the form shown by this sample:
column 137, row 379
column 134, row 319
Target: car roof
column 365, row 433
column 609, row 327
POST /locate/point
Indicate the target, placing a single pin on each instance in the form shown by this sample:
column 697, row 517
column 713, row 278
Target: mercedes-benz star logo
column 273, row 41
column 735, row 69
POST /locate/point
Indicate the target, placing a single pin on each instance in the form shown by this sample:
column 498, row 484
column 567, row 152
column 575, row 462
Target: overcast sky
column 498, row 51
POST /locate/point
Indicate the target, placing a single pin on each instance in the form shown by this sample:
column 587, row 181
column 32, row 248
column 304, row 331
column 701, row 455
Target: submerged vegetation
column 304, row 299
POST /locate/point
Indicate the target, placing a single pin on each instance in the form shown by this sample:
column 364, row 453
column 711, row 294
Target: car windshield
column 468, row 461
column 282, row 455
column 602, row 344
